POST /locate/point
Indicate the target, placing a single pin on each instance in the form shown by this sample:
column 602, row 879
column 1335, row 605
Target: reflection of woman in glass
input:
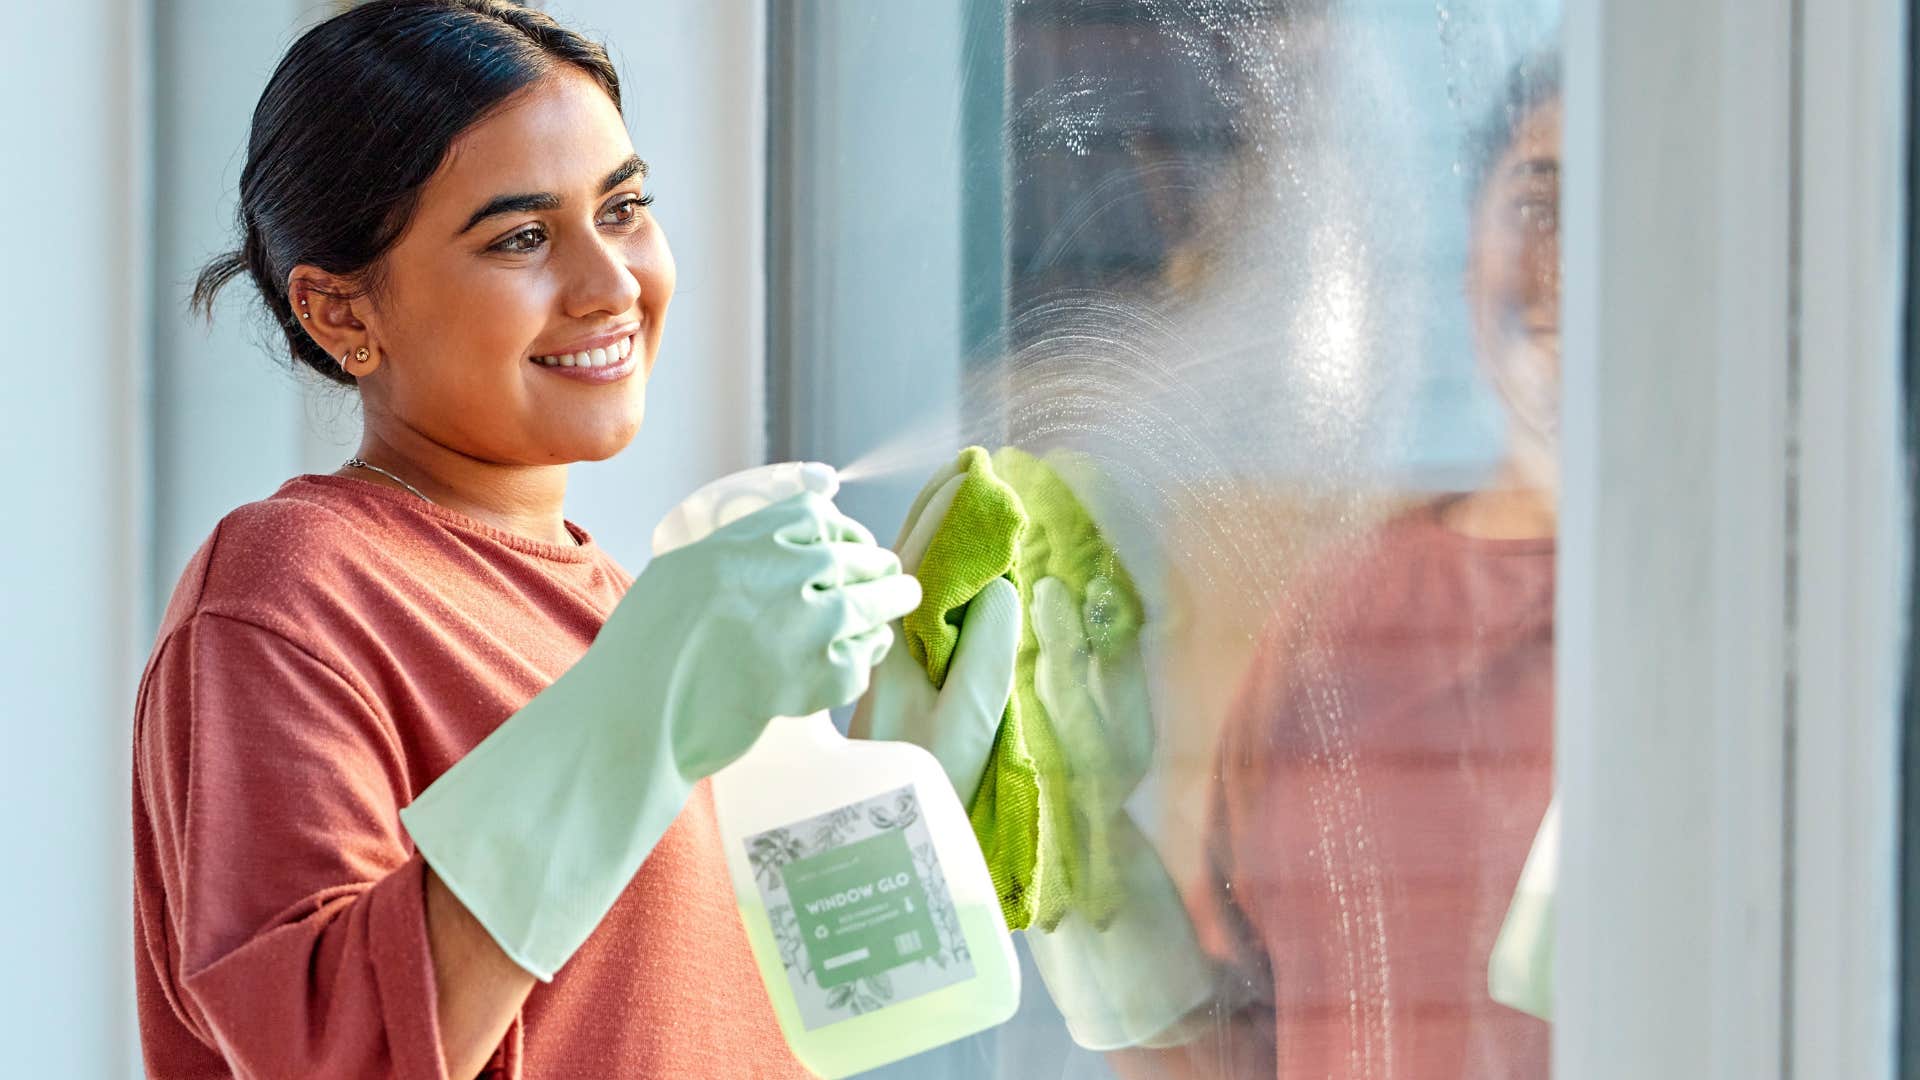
column 1390, row 757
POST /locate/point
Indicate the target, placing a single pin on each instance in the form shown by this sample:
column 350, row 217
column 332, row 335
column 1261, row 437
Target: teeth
column 604, row 357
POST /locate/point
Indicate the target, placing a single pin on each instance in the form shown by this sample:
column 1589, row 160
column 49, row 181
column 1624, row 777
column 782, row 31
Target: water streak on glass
column 1281, row 291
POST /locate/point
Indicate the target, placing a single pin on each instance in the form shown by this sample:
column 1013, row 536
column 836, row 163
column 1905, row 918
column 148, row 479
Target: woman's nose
column 602, row 282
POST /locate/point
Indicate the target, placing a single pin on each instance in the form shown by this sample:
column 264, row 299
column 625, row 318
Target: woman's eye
column 524, row 241
column 1540, row 214
column 626, row 211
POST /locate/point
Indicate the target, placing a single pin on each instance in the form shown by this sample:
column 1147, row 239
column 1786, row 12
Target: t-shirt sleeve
column 294, row 909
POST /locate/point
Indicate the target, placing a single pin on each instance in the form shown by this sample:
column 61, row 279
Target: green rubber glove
column 1099, row 705
column 956, row 721
column 1142, row 979
column 1520, row 971
column 1138, row 975
column 538, row 830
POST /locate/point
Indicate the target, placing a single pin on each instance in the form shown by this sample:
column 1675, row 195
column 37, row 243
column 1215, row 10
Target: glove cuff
column 1134, row 982
column 540, row 827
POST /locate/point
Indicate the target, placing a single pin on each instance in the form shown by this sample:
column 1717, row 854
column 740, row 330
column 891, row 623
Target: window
column 1274, row 287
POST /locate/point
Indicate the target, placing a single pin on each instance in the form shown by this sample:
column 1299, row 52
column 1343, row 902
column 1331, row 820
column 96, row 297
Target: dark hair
column 1531, row 83
column 356, row 118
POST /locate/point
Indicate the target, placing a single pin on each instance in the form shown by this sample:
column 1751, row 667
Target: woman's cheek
column 654, row 267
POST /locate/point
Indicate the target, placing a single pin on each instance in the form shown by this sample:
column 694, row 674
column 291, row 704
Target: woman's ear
column 324, row 304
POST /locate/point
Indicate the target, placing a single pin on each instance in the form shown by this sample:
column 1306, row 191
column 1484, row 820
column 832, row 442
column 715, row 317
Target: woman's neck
column 1509, row 508
column 527, row 500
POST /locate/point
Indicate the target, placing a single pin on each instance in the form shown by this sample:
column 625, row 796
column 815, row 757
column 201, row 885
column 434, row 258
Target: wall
column 70, row 569
column 692, row 79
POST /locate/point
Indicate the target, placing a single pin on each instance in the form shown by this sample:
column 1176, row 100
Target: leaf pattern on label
column 905, row 811
column 836, row 828
column 863, row 995
column 771, row 850
column 786, row 934
column 953, row 943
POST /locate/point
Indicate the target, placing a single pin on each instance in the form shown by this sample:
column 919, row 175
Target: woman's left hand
column 956, row 722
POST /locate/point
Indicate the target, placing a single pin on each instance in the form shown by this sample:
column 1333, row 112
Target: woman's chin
column 598, row 438
column 604, row 447
column 598, row 445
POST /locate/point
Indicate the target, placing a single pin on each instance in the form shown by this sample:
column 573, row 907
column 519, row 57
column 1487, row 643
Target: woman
column 409, row 742
column 1389, row 758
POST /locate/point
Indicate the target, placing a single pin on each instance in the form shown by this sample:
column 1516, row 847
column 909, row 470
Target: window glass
column 1272, row 289
column 1909, row 1009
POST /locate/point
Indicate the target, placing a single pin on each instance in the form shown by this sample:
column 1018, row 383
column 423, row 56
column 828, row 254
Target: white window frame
column 1732, row 610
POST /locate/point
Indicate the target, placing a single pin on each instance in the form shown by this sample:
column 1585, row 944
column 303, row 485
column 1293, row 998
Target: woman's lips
column 596, row 366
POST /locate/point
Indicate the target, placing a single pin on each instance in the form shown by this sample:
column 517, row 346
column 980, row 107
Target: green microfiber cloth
column 1063, row 542
column 1014, row 517
column 977, row 542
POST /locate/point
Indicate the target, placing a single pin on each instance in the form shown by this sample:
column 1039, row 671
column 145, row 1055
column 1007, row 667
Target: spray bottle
column 863, row 891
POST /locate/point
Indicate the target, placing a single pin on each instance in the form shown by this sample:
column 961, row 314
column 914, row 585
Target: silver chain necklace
column 356, row 463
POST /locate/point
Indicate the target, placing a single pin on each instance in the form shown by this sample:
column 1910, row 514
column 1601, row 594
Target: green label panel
column 862, row 909
column 859, row 908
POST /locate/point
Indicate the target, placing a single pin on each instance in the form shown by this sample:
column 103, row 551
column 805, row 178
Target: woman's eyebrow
column 628, row 170
column 1538, row 166
column 546, row 200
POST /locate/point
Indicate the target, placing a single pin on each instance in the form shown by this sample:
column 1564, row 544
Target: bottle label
column 859, row 908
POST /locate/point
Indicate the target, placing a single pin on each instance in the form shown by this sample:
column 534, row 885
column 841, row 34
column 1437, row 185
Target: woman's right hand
column 784, row 612
column 538, row 829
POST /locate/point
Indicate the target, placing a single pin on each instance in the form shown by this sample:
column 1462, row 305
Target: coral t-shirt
column 1380, row 782
column 328, row 653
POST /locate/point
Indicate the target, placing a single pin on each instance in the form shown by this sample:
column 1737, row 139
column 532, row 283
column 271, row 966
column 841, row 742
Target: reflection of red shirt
column 329, row 652
column 1380, row 782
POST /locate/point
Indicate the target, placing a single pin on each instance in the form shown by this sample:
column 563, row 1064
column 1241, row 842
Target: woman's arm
column 478, row 991
column 288, row 923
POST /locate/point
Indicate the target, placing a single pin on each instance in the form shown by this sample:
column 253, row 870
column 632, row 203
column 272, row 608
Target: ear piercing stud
column 304, row 313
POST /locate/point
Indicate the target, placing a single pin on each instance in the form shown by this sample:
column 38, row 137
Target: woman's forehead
column 1538, row 133
column 560, row 135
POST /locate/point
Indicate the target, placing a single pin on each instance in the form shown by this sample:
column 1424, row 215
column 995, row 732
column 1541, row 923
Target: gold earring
column 360, row 355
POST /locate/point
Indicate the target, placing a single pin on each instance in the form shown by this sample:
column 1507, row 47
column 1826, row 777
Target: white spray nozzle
column 736, row 495
column 818, row 477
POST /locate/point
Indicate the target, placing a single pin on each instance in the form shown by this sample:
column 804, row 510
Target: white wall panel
column 72, row 290
column 692, row 80
column 228, row 419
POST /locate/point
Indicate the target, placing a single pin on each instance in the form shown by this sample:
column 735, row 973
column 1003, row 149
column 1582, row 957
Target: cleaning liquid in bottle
column 863, row 891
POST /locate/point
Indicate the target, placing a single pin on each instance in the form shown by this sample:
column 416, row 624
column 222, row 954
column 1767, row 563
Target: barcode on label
column 908, row 942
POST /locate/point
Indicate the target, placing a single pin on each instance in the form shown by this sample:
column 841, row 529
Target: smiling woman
column 518, row 249
column 409, row 742
column 469, row 250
